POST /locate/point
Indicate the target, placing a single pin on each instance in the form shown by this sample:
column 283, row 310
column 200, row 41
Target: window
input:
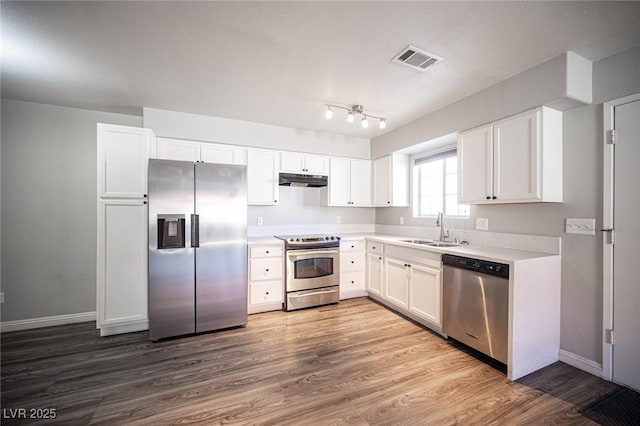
column 435, row 184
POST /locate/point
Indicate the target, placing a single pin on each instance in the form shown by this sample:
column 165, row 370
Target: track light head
column 364, row 122
column 382, row 124
column 350, row 117
column 328, row 113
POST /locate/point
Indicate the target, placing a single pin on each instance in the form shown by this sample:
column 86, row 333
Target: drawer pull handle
column 267, row 269
column 267, row 252
column 353, row 261
column 267, row 293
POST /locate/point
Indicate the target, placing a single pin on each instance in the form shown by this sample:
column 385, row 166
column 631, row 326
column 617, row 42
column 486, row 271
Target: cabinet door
column 220, row 154
column 122, row 265
column 425, row 293
column 475, row 165
column 516, row 158
column 360, row 183
column 178, row 150
column 382, row 182
column 374, row 273
column 123, row 155
column 316, row 164
column 339, row 181
column 292, row 162
column 262, row 177
column 396, row 282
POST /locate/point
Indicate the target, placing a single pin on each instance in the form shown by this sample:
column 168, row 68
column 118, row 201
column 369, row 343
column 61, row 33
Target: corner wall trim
column 581, row 363
column 30, row 323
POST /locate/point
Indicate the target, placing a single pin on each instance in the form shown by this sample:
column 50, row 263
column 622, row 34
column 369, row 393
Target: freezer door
column 221, row 257
column 171, row 266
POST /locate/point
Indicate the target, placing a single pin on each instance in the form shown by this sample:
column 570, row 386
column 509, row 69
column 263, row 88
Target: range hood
column 294, row 179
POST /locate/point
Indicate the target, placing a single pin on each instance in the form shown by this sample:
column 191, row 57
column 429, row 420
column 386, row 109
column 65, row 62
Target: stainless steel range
column 312, row 270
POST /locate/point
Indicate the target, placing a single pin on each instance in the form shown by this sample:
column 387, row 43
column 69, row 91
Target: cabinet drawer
column 352, row 261
column 265, row 251
column 265, row 269
column 353, row 245
column 375, row 247
column 352, row 281
column 265, row 292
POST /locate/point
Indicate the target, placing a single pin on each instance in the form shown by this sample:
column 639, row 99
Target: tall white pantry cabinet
column 121, row 295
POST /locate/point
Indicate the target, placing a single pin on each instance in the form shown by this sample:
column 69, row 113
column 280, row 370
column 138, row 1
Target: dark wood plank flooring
column 354, row 363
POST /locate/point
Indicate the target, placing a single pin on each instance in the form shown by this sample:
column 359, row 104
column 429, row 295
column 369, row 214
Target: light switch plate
column 482, row 223
column 338, row 220
column 259, row 220
column 580, row 226
column 401, row 220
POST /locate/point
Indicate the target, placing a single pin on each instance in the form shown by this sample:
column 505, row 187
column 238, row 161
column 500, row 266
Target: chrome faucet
column 440, row 222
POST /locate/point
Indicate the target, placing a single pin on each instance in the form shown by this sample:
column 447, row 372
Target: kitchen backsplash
column 539, row 243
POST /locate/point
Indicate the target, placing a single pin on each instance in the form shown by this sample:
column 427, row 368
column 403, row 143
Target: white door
column 396, row 282
column 339, row 182
column 382, row 182
column 360, row 183
column 317, row 164
column 178, row 150
column 122, row 266
column 262, row 177
column 220, row 154
column 475, row 165
column 424, row 293
column 516, row 158
column 123, row 154
column 626, row 252
column 374, row 274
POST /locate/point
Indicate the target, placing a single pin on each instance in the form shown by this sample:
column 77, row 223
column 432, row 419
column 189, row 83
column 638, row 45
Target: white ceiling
column 280, row 62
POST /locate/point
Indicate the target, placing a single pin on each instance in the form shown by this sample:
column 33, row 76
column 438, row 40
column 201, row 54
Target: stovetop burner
column 309, row 241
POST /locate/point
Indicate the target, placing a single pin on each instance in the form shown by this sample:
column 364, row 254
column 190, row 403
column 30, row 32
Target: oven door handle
column 312, row 294
column 311, row 254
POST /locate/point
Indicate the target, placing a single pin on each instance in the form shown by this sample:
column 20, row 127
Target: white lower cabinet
column 408, row 280
column 424, row 293
column 396, row 280
column 266, row 273
column 352, row 269
column 375, row 268
column 122, row 267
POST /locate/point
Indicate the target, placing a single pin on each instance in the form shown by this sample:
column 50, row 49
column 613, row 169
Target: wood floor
column 352, row 363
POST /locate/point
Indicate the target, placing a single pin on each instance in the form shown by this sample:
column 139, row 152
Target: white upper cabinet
column 349, row 183
column 295, row 162
column 262, row 177
column 391, row 181
column 123, row 155
column 183, row 150
column 518, row 159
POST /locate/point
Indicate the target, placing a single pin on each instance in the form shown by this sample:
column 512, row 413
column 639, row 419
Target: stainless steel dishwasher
column 475, row 307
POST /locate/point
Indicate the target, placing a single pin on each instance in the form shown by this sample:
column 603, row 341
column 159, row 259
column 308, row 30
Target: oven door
column 308, row 269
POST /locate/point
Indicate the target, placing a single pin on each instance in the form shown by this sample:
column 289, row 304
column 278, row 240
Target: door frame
column 608, row 188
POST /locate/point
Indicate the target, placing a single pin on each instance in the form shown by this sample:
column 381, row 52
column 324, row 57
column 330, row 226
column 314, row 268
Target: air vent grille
column 415, row 58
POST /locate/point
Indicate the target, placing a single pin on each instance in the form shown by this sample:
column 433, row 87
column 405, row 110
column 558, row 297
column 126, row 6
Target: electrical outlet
column 401, row 220
column 338, row 220
column 580, row 226
column 482, row 223
column 1, row 296
column 259, row 220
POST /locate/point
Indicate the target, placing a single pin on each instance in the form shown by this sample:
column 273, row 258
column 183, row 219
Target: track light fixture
column 351, row 114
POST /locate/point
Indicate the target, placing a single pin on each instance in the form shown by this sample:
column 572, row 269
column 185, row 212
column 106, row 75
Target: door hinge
column 611, row 235
column 611, row 137
column 609, row 336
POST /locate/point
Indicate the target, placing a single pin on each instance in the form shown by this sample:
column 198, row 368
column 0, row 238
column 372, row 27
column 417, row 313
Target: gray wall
column 49, row 208
column 613, row 77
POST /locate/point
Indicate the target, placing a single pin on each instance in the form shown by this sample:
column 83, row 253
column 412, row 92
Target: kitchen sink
column 432, row 243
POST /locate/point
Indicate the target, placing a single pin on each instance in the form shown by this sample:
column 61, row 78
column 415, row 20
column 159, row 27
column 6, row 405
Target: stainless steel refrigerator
column 197, row 247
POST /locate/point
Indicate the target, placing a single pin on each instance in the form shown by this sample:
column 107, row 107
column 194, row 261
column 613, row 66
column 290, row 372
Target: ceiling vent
column 415, row 58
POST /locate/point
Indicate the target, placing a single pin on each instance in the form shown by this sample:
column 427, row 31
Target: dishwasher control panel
column 482, row 266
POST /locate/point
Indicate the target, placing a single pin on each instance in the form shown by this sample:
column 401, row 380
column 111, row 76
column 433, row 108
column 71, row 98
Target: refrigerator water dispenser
column 171, row 231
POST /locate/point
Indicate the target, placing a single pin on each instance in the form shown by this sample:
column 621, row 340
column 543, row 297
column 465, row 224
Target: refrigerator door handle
column 195, row 230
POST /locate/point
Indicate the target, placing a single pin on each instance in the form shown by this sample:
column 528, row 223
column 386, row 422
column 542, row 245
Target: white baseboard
column 581, row 363
column 124, row 327
column 30, row 323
